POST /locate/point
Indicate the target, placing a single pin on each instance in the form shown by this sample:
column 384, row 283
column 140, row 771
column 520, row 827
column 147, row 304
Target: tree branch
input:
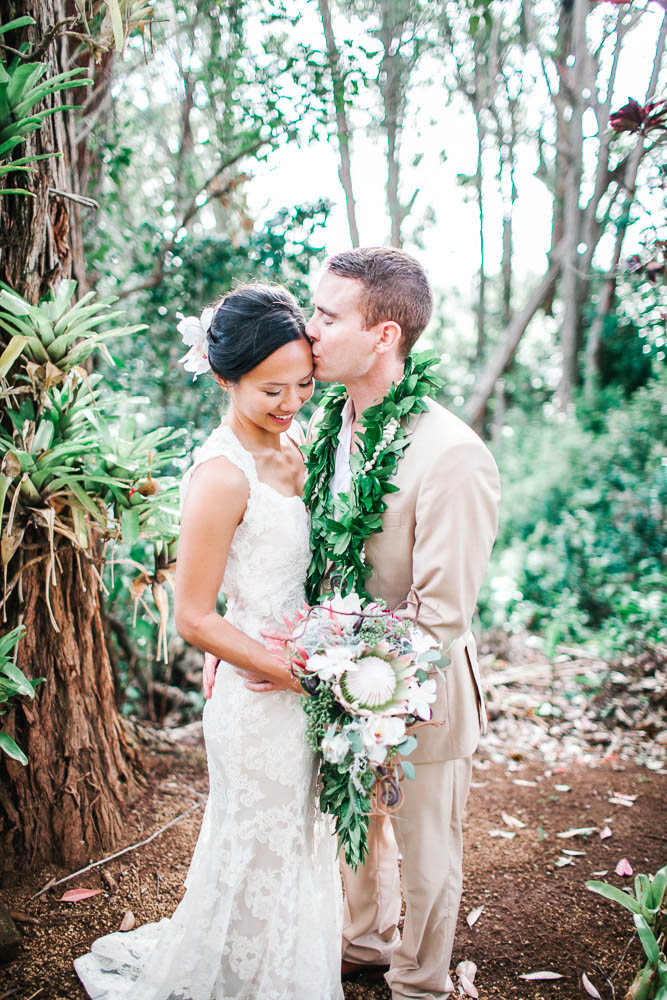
column 509, row 341
column 157, row 275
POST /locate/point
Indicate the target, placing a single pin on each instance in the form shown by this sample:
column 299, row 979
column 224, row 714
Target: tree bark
column 395, row 69
column 480, row 309
column 569, row 335
column 342, row 124
column 67, row 802
column 36, row 235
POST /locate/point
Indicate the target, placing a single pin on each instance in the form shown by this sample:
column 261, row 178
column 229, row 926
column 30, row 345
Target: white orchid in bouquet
column 365, row 672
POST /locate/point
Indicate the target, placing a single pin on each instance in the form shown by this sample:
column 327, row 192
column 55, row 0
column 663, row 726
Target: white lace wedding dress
column 261, row 916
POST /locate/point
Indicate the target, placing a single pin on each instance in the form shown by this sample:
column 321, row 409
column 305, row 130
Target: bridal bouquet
column 365, row 674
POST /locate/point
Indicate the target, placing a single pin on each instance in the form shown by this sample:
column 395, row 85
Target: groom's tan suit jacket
column 430, row 558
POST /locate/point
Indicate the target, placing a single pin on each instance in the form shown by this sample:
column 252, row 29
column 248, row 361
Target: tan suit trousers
column 427, row 831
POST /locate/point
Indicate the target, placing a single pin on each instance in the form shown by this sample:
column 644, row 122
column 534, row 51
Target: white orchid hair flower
column 194, row 334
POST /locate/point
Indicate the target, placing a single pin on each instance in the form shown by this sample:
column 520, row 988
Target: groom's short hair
column 395, row 287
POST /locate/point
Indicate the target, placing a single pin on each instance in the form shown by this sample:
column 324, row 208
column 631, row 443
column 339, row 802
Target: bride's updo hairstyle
column 250, row 323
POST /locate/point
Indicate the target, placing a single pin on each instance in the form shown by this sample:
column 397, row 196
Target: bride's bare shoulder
column 219, row 482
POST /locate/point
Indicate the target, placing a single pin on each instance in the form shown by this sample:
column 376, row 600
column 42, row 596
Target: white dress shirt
column 342, row 477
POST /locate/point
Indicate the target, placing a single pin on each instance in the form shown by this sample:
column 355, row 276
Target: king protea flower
column 379, row 683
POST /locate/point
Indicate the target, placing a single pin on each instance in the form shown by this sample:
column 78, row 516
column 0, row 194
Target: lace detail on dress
column 261, row 917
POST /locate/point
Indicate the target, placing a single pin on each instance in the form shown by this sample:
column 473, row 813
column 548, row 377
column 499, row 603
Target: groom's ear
column 388, row 336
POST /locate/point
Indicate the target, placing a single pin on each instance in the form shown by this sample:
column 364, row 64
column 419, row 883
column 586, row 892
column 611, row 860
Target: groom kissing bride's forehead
column 404, row 499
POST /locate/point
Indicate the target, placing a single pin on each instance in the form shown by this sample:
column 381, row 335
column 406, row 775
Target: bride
column 260, row 919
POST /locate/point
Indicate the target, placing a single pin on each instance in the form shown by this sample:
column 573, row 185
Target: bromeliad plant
column 13, row 683
column 23, row 88
column 649, row 911
column 71, row 473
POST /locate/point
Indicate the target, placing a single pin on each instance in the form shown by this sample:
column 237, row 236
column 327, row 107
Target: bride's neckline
column 262, row 482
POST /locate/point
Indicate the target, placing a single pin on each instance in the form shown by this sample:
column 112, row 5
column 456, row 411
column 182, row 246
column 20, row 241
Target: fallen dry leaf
column 580, row 831
column 506, row 834
column 619, row 799
column 512, row 821
column 75, row 895
column 474, row 916
column 128, row 922
column 562, row 788
column 524, row 783
column 624, row 867
column 541, row 975
column 564, row 861
column 605, row 832
column 467, row 968
column 574, row 854
column 469, row 988
column 588, row 986
column 466, row 971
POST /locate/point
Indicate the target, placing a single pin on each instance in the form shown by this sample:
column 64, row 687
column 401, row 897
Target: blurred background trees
column 218, row 142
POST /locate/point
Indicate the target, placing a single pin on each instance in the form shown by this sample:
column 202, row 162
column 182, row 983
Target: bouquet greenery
column 365, row 677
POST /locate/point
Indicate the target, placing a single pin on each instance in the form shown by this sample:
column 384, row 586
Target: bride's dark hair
column 250, row 323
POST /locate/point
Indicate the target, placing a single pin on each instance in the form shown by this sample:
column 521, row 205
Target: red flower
column 634, row 117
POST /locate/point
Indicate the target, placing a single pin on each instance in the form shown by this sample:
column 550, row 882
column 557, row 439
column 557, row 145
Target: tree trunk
column 570, row 327
column 36, row 238
column 342, row 125
column 67, row 803
column 506, row 348
column 608, row 291
column 480, row 309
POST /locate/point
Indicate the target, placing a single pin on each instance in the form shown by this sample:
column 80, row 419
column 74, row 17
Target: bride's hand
column 208, row 673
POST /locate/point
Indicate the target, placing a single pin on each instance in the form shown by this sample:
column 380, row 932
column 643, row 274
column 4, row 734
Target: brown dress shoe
column 359, row 970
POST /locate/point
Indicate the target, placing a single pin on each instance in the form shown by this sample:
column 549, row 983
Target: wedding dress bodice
column 269, row 555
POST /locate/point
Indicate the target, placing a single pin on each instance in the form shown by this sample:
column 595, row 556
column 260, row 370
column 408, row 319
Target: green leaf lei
column 341, row 525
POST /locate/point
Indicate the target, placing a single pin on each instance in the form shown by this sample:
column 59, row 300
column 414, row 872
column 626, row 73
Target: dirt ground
column 537, row 913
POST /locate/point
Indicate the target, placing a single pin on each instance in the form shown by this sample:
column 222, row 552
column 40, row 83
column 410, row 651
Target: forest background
column 494, row 140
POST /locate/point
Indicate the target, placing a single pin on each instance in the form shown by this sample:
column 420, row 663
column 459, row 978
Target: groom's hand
column 208, row 673
column 255, row 683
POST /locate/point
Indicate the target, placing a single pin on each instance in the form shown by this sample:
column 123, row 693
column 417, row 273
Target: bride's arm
column 213, row 508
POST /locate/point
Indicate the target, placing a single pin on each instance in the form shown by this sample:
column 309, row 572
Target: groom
column 428, row 559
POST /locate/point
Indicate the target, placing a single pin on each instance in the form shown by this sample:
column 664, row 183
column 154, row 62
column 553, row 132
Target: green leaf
column 130, row 525
column 23, row 685
column 616, row 895
column 116, row 23
column 12, row 748
column 18, row 22
column 9, row 640
column 11, row 353
column 408, row 745
column 647, row 938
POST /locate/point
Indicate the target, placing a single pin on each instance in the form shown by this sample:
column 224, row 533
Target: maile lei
column 340, row 525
